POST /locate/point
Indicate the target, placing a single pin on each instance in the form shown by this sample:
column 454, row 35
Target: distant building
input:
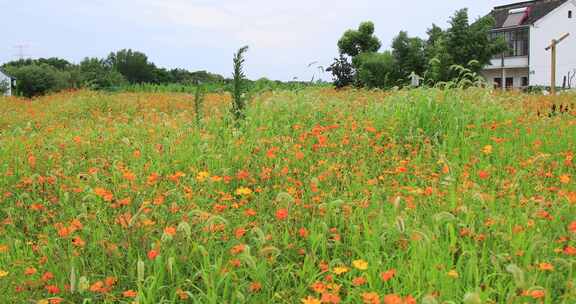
column 6, row 78
column 529, row 27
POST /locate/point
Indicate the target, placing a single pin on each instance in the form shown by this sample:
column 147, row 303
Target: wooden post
column 552, row 48
column 503, row 75
column 553, row 69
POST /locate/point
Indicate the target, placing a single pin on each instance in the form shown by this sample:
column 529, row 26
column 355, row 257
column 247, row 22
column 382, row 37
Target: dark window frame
column 570, row 14
column 525, row 81
column 518, row 42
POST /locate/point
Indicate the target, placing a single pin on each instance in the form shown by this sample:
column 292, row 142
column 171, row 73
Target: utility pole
column 552, row 48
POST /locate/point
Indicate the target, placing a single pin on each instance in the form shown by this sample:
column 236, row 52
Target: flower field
column 318, row 196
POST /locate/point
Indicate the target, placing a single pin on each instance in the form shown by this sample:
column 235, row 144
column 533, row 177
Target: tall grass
column 351, row 196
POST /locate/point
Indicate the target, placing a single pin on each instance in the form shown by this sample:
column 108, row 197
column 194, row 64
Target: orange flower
column 565, row 179
column 255, row 287
column 97, row 287
column 483, row 174
column 572, row 227
column 237, row 249
column 537, row 294
column 128, row 175
column 569, row 250
column 310, row 300
column 370, row 298
column 78, row 242
column 152, row 254
column 171, row 231
column 393, row 299
column 129, row 293
column 318, row 287
column 282, row 214
column 52, row 289
column 546, row 267
column 387, row 275
column 358, row 281
column 30, row 271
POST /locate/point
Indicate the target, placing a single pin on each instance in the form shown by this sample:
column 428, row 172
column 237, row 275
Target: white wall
column 6, row 78
column 517, row 74
column 552, row 26
column 509, row 62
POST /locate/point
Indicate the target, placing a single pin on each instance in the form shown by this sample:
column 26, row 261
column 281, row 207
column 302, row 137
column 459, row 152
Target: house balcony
column 509, row 63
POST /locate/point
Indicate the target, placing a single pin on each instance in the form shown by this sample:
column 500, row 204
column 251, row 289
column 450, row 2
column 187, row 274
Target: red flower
column 282, row 214
column 152, row 254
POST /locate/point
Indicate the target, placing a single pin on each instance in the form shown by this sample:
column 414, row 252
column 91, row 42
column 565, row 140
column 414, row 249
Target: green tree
column 133, row 65
column 38, row 79
column 409, row 54
column 343, row 72
column 363, row 40
column 467, row 42
column 377, row 70
column 97, row 74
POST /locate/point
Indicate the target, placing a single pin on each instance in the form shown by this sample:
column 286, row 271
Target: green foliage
column 198, row 104
column 363, row 40
column 467, row 42
column 238, row 86
column 377, row 70
column 39, row 79
column 409, row 54
column 133, row 65
column 343, row 72
column 97, row 74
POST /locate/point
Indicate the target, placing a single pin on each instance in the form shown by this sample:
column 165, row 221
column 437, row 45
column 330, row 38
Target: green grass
column 459, row 193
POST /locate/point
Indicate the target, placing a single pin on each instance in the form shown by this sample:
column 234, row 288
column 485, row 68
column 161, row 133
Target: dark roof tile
column 537, row 10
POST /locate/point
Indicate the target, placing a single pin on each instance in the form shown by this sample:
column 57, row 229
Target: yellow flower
column 340, row 270
column 202, row 176
column 3, row 273
column 243, row 191
column 360, row 264
column 310, row 300
column 453, row 274
column 487, row 149
column 42, row 302
column 565, row 179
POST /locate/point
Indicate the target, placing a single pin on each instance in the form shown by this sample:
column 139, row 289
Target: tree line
column 44, row 75
column 462, row 44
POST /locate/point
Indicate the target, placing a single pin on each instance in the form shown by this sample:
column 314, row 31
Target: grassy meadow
column 318, row 196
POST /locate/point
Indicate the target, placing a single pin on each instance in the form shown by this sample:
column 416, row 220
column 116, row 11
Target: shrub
column 343, row 72
column 39, row 79
column 97, row 74
column 376, row 70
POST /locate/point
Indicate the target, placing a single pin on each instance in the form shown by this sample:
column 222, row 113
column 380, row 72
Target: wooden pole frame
column 552, row 48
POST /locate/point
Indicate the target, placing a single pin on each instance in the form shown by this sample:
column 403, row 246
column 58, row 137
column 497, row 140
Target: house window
column 569, row 14
column 524, row 81
column 509, row 82
column 517, row 41
column 497, row 83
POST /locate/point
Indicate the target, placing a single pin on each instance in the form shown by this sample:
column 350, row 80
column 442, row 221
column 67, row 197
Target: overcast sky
column 284, row 36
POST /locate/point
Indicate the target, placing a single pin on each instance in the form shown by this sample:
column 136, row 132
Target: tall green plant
column 238, row 88
column 198, row 104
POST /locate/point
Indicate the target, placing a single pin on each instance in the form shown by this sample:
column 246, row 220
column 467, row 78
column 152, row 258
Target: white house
column 529, row 27
column 10, row 81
